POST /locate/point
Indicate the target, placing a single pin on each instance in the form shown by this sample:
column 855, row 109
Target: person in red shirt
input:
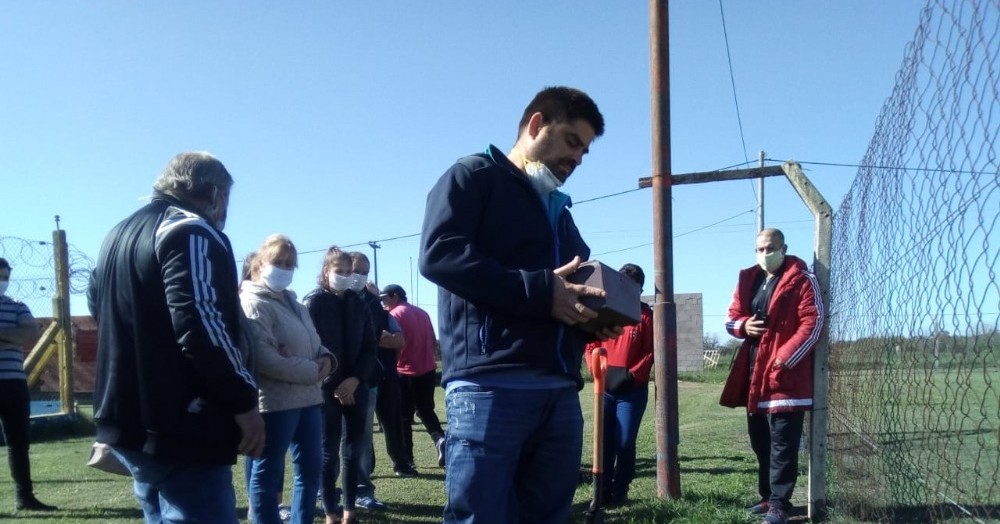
column 630, row 358
column 417, row 370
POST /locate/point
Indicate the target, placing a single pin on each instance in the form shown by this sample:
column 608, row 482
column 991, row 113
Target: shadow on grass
column 60, row 427
column 75, row 514
column 646, row 467
column 403, row 513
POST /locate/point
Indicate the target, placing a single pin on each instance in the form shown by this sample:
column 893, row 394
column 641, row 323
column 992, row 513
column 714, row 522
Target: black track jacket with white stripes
column 169, row 374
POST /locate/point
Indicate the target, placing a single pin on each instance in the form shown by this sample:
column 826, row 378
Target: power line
column 902, row 168
column 619, row 193
column 732, row 80
column 609, row 196
column 736, row 101
column 366, row 243
column 695, row 230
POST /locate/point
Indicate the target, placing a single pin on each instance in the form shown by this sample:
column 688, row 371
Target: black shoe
column 33, row 504
column 407, row 470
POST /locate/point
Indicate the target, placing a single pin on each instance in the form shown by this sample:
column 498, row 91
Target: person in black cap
column 417, row 370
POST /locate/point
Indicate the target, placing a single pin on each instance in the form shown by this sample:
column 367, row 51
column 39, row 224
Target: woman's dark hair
column 634, row 272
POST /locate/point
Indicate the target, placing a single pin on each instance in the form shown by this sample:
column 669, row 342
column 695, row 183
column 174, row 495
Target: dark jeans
column 418, row 395
column 622, row 416
column 15, row 411
column 347, row 422
column 388, row 409
column 775, row 440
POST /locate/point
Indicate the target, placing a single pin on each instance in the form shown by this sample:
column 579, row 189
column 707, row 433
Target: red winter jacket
column 795, row 319
column 632, row 350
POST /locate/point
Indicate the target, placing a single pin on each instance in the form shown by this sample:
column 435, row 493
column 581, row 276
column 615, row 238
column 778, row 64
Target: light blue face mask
column 541, row 177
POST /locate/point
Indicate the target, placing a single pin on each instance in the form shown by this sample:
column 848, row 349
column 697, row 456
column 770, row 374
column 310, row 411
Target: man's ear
column 535, row 124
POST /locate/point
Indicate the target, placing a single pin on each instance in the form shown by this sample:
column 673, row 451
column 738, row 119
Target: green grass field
column 717, row 474
column 931, row 438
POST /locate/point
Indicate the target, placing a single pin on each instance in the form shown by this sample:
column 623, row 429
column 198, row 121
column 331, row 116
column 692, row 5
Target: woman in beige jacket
column 291, row 365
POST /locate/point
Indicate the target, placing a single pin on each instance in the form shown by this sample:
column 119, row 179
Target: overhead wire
column 619, row 193
column 736, row 100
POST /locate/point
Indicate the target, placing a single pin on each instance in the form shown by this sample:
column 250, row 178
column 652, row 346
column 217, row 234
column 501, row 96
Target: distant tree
column 731, row 346
column 710, row 341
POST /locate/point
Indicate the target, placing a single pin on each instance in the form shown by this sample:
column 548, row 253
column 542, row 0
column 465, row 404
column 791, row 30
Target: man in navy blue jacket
column 172, row 396
column 498, row 240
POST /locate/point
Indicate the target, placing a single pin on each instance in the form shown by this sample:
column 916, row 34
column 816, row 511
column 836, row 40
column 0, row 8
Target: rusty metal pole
column 668, row 481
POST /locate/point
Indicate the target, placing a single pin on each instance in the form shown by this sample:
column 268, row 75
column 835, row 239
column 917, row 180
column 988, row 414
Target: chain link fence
column 915, row 339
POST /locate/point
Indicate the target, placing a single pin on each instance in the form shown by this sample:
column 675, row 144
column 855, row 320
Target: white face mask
column 770, row 262
column 3, row 286
column 276, row 278
column 541, row 177
column 339, row 283
column 358, row 282
column 216, row 213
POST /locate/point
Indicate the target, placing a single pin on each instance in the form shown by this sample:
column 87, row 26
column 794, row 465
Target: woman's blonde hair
column 275, row 247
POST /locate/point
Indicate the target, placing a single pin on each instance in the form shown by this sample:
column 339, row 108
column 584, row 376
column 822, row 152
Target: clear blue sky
column 336, row 117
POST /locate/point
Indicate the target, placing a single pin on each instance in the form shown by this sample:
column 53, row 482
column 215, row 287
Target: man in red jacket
column 778, row 310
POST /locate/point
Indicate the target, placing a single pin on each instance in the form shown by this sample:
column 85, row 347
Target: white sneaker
column 440, row 448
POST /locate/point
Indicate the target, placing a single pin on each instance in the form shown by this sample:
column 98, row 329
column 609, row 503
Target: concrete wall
column 690, row 330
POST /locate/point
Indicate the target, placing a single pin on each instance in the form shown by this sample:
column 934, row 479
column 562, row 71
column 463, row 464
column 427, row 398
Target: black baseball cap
column 393, row 289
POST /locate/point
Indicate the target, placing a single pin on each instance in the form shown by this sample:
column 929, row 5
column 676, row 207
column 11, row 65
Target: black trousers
column 388, row 410
column 15, row 411
column 418, row 395
column 775, row 439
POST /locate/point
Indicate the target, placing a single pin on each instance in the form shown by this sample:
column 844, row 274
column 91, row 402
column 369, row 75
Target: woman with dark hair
column 630, row 358
column 291, row 365
column 345, row 326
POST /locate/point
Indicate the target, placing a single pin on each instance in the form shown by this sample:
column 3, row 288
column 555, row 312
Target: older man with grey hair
column 172, row 395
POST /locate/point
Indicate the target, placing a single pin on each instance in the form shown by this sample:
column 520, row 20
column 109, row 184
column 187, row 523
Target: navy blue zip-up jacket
column 170, row 376
column 488, row 244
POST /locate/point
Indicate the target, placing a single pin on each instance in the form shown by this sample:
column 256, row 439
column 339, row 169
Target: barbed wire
column 33, row 277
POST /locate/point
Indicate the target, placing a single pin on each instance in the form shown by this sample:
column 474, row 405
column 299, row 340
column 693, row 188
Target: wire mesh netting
column 915, row 347
column 33, row 281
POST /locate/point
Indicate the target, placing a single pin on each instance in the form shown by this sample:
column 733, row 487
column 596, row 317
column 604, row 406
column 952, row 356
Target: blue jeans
column 622, row 416
column 347, row 422
column 366, row 450
column 513, row 454
column 171, row 492
column 301, row 432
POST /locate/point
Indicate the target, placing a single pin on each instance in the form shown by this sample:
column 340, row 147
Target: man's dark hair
column 634, row 272
column 4, row 264
column 357, row 256
column 563, row 104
